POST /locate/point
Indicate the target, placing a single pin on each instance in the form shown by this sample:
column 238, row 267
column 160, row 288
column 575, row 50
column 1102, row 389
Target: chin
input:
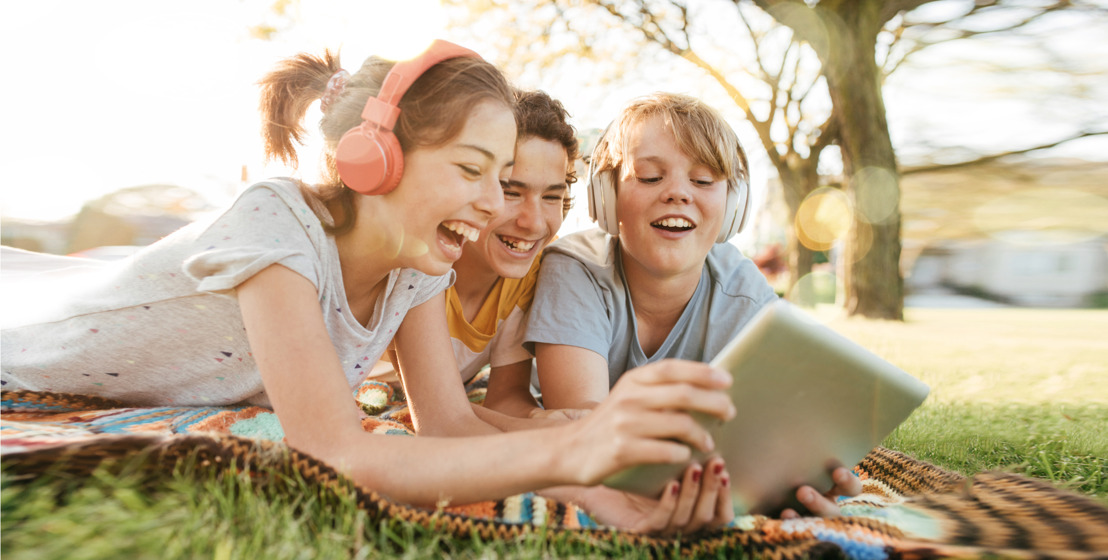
column 513, row 271
column 433, row 267
column 507, row 269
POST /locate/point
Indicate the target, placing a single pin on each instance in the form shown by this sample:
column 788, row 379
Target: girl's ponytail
column 287, row 92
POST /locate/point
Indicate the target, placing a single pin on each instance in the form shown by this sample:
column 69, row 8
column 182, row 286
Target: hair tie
column 335, row 85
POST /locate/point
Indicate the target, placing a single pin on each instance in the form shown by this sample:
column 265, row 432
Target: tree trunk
column 874, row 285
column 796, row 186
column 845, row 40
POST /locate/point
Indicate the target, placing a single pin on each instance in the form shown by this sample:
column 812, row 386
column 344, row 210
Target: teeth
column 470, row 233
column 521, row 245
column 673, row 222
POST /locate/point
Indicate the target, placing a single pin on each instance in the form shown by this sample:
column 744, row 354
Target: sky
column 104, row 95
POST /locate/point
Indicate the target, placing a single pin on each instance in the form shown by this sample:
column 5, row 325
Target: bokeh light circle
column 814, row 288
column 823, row 218
column 876, row 193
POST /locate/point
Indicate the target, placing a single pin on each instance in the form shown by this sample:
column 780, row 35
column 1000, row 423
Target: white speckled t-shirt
column 163, row 327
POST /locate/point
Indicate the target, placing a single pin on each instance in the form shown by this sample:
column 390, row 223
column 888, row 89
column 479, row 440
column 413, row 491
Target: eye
column 553, row 198
column 704, row 182
column 470, row 170
column 649, row 180
column 509, row 193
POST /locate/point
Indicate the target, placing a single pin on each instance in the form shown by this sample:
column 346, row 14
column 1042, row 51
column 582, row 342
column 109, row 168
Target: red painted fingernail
column 676, row 488
column 696, row 475
column 725, row 481
column 717, row 468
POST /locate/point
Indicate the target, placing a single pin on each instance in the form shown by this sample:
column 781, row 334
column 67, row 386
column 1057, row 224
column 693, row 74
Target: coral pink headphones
column 368, row 157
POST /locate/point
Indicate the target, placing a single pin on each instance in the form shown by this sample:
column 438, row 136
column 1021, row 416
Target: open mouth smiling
column 516, row 245
column 673, row 224
column 459, row 232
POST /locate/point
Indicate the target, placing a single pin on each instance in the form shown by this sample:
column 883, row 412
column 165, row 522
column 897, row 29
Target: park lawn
column 1012, row 389
column 1023, row 390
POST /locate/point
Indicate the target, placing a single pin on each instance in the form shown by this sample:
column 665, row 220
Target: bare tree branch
column 979, row 8
column 993, row 157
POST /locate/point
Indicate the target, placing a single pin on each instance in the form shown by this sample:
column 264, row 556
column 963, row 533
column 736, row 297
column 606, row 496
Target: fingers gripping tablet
column 808, row 400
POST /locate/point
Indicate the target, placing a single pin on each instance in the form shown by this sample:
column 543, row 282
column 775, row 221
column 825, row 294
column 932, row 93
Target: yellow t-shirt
column 496, row 334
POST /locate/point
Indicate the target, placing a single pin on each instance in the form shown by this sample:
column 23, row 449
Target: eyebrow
column 522, row 185
column 488, row 155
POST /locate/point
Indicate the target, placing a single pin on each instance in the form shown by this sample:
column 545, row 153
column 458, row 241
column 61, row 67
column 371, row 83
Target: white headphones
column 602, row 197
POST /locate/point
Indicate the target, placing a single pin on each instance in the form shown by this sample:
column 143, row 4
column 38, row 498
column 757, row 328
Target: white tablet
column 808, row 399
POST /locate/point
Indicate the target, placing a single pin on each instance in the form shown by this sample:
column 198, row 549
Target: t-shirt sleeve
column 569, row 308
column 259, row 230
column 507, row 344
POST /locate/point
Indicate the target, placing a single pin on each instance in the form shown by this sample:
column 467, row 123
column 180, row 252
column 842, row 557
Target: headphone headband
column 405, row 72
column 368, row 157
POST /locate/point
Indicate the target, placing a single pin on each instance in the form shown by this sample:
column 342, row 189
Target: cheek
column 716, row 204
column 488, row 235
column 624, row 204
column 553, row 219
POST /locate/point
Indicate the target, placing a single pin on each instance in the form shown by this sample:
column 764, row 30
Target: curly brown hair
column 541, row 116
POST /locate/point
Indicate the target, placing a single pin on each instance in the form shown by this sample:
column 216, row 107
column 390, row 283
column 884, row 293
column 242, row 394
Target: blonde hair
column 700, row 132
column 433, row 110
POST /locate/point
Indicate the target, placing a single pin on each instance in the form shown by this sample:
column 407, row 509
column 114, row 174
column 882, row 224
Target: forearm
column 516, row 405
column 464, row 424
column 428, row 471
column 567, row 494
column 509, row 390
column 509, row 423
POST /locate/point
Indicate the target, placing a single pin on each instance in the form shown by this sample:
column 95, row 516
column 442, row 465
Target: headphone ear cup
column 738, row 199
column 369, row 160
column 602, row 201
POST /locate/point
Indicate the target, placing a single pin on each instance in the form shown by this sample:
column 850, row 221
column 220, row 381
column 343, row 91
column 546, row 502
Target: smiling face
column 670, row 207
column 532, row 214
column 447, row 195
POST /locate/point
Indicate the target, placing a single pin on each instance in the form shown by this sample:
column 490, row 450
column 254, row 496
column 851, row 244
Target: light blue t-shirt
column 582, row 300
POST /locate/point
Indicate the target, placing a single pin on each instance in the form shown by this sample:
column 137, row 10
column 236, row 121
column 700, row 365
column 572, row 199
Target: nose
column 530, row 214
column 675, row 190
column 490, row 201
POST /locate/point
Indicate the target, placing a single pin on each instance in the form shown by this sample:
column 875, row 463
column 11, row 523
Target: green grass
column 1065, row 444
column 1018, row 390
column 1021, row 390
column 223, row 517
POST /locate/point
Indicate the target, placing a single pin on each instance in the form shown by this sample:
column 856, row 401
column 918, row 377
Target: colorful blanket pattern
column 908, row 508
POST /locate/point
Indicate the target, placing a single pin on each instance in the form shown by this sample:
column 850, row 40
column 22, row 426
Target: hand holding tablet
column 808, row 400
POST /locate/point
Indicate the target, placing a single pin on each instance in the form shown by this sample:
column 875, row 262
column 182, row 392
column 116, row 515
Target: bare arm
column 570, row 376
column 436, row 395
column 509, row 390
column 304, row 380
column 509, row 396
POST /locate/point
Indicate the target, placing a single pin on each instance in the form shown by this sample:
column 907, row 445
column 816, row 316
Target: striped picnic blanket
column 908, row 508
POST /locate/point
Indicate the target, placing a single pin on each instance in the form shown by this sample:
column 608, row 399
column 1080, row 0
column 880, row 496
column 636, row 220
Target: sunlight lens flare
column 414, row 248
column 878, row 195
column 861, row 241
column 824, row 217
column 389, row 29
column 814, row 288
